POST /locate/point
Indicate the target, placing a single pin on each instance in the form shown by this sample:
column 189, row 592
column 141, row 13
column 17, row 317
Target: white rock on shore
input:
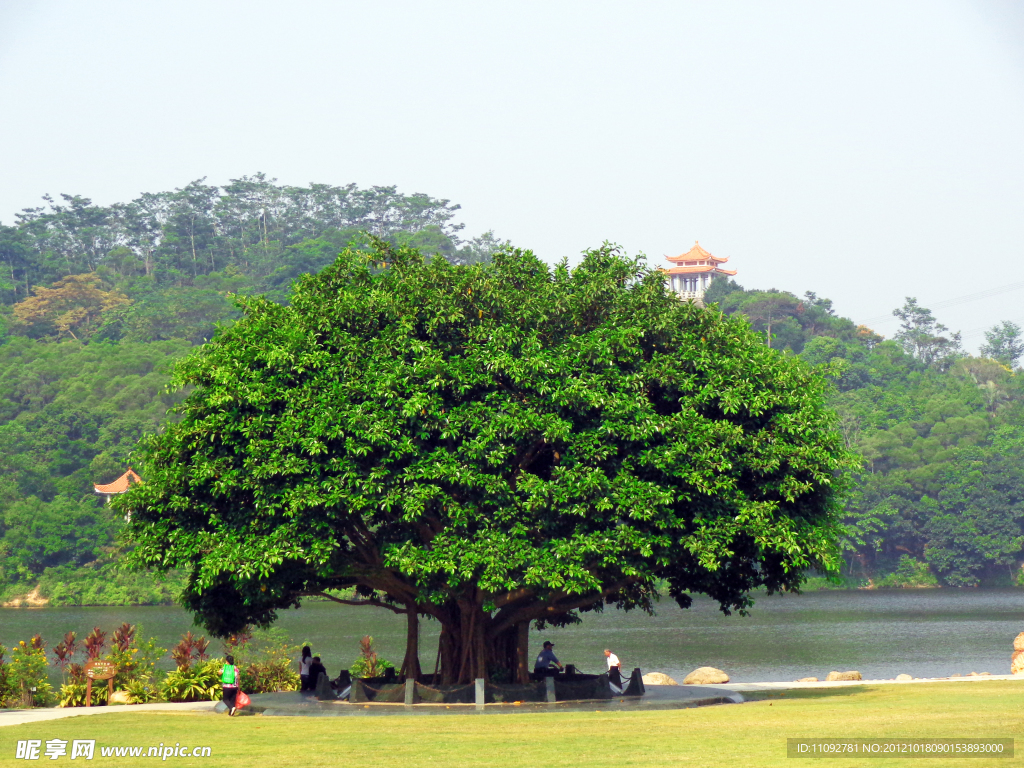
column 658, row 678
column 852, row 675
column 706, row 676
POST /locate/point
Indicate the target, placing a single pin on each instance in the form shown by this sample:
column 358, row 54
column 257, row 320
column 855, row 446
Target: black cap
column 547, row 643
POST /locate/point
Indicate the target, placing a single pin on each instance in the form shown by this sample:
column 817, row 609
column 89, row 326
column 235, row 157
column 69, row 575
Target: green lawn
column 752, row 734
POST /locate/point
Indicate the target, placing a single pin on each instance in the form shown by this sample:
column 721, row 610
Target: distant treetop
column 200, row 228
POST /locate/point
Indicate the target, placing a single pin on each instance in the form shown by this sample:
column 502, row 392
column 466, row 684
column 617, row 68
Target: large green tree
column 488, row 446
column 1003, row 342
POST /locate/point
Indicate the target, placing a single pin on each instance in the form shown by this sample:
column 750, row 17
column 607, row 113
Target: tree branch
column 539, row 609
column 513, row 596
column 375, row 603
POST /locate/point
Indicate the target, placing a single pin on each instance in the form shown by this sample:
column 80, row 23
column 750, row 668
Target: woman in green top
column 229, row 684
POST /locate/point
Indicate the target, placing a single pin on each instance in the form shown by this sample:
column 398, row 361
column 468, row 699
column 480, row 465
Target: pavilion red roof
column 120, row 485
column 696, row 254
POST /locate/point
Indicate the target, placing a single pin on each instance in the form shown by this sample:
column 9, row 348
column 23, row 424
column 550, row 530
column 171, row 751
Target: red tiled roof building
column 118, row 486
column 693, row 273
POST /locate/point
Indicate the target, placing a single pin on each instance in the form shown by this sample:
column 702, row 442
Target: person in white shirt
column 304, row 664
column 614, row 670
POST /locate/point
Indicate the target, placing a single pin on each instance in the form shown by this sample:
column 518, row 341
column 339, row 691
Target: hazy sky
column 864, row 151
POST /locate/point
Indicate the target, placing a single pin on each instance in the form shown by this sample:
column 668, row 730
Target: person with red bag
column 229, row 678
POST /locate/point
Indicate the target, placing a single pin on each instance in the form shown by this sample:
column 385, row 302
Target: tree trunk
column 478, row 644
column 523, row 652
column 472, row 619
column 447, row 653
column 508, row 654
column 463, row 651
column 467, row 649
column 411, row 664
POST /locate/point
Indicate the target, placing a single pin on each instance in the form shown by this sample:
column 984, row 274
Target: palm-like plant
column 369, row 664
column 94, row 643
column 122, row 637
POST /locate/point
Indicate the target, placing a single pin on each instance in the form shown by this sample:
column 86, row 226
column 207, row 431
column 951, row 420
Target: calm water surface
column 924, row 633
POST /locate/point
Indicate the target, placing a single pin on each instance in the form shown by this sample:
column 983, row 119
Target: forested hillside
column 940, row 499
column 97, row 302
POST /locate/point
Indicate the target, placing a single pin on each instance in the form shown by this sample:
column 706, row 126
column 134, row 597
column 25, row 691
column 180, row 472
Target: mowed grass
column 751, row 734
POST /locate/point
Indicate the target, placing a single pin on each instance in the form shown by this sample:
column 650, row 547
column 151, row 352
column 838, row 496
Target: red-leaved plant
column 122, row 637
column 64, row 653
column 94, row 643
column 190, row 649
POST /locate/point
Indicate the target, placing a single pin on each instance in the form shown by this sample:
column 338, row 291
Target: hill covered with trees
column 97, row 302
column 940, row 498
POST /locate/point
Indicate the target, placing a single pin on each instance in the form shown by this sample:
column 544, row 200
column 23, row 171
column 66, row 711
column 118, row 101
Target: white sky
column 865, row 151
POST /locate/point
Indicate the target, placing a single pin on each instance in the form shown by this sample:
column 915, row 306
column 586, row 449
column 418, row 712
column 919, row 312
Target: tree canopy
column 1003, row 343
column 487, row 445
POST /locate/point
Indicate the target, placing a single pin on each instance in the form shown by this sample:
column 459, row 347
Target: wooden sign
column 99, row 669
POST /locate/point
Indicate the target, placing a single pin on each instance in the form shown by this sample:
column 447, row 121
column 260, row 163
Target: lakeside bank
column 929, row 633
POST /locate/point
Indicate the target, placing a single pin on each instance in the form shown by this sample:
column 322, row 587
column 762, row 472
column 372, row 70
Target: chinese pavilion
column 693, row 273
column 118, row 486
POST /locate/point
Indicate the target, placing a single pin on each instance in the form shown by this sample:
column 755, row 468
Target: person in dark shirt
column 545, row 660
column 314, row 672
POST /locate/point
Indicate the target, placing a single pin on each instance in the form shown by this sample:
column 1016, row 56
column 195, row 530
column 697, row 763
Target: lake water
column 924, row 633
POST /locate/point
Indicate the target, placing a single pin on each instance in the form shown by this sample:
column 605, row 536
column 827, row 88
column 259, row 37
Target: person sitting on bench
column 316, row 668
column 542, row 667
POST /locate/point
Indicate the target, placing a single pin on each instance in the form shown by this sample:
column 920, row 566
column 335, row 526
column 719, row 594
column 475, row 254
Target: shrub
column 369, row 664
column 64, row 654
column 26, row 678
column 73, row 694
column 189, row 650
column 123, row 653
column 820, row 583
column 199, row 682
column 94, row 643
column 5, row 691
column 135, row 658
column 909, row 573
column 106, row 584
column 141, row 692
column 264, row 660
column 197, row 678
